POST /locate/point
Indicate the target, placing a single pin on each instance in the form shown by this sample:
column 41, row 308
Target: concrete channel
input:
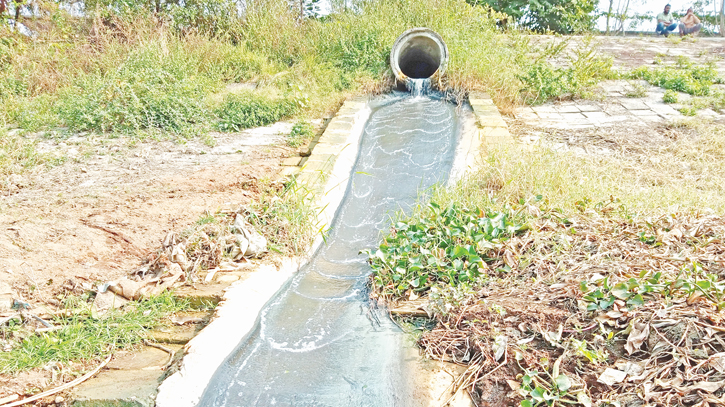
column 214, row 355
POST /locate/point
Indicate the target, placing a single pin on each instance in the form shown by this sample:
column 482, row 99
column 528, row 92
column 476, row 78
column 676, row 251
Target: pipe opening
column 418, row 53
column 419, row 58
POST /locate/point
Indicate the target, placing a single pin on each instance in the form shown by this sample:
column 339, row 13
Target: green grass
column 301, row 132
column 239, row 112
column 82, row 337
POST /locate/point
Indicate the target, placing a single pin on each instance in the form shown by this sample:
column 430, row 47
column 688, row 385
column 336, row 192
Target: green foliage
column 447, row 245
column 688, row 111
column 561, row 16
column 545, row 389
column 684, row 77
column 82, row 337
column 250, row 110
column 601, row 295
column 302, row 131
column 152, row 89
column 670, row 96
column 586, row 69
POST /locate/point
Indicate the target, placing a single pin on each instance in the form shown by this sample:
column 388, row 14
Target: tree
column 722, row 19
column 562, row 16
column 609, row 14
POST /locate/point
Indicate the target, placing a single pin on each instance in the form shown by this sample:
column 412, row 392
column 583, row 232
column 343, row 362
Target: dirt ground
column 94, row 218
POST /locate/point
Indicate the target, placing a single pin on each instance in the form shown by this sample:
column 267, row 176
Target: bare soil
column 99, row 215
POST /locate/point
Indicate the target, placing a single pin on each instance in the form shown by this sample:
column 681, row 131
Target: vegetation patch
column 572, row 305
column 81, row 336
column 244, row 111
column 684, row 76
column 301, row 133
column 542, row 81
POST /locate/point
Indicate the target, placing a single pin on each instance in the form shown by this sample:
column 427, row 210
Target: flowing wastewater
column 319, row 342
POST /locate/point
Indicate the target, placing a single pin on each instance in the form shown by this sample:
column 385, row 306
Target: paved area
column 613, row 108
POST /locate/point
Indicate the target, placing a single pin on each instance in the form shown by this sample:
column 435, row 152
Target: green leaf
column 620, row 291
column 527, row 403
column 562, row 382
column 538, row 394
column 636, row 300
column 459, row 251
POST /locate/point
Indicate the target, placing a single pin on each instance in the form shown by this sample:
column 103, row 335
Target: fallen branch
column 61, row 388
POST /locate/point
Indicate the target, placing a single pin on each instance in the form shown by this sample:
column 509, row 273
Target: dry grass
column 666, row 168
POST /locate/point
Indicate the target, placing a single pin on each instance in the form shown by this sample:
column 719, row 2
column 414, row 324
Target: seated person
column 690, row 24
column 665, row 22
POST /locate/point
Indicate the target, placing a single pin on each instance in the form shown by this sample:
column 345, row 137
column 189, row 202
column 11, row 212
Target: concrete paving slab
column 544, row 109
column 640, row 113
column 573, row 116
column 615, row 109
column 135, row 388
column 632, row 104
column 589, row 107
column 568, row 108
column 595, row 115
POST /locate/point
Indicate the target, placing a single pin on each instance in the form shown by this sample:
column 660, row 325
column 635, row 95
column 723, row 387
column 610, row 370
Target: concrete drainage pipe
column 419, row 53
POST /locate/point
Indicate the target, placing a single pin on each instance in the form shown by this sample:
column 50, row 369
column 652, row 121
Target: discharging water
column 318, row 342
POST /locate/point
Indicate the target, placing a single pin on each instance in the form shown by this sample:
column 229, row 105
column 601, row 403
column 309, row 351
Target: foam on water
column 318, row 342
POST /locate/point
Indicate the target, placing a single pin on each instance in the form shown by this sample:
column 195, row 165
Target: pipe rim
column 407, row 36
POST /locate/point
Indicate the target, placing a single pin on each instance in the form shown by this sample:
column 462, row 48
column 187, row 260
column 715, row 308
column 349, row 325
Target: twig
column 61, row 388
column 163, row 348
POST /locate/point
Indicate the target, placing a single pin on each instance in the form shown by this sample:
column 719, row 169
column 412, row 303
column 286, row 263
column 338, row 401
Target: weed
column 637, row 91
column 249, row 110
column 684, row 77
column 447, row 245
column 652, row 286
column 688, row 110
column 301, row 132
column 285, row 215
column 586, row 69
column 670, row 96
column 545, row 389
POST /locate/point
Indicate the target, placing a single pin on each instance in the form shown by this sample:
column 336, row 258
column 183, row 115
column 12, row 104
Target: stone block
column 326, row 148
column 178, row 335
column 146, row 358
column 318, row 166
column 573, row 116
column 339, row 125
column 615, row 109
column 550, row 116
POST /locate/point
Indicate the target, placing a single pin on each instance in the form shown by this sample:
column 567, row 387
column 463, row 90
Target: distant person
column 665, row 22
column 690, row 24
